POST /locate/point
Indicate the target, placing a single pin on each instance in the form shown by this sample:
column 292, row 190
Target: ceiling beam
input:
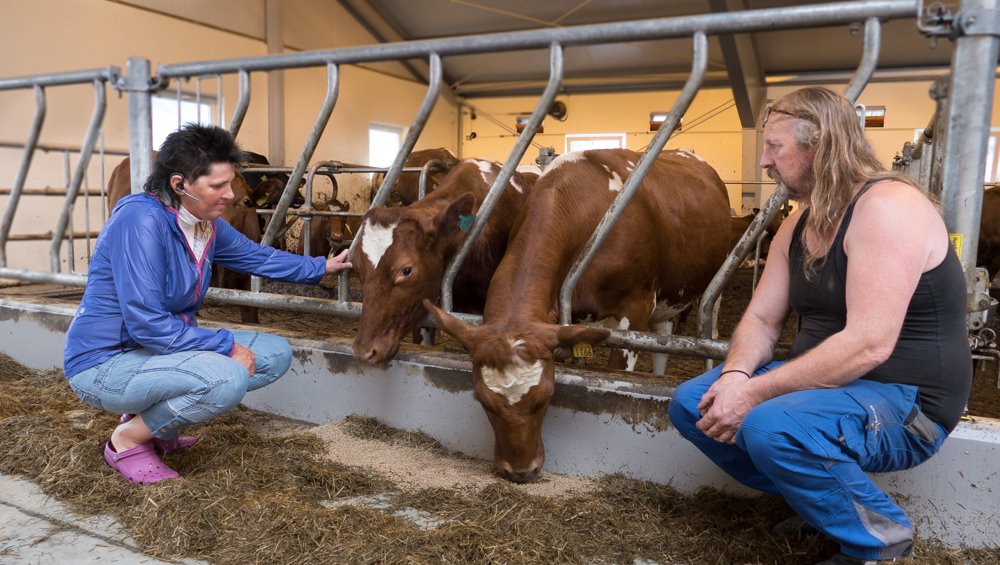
column 746, row 76
column 387, row 31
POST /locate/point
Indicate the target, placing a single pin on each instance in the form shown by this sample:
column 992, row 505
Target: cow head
column 401, row 261
column 268, row 192
column 514, row 377
column 340, row 230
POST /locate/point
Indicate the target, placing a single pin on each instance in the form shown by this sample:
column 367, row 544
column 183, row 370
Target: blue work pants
column 814, row 447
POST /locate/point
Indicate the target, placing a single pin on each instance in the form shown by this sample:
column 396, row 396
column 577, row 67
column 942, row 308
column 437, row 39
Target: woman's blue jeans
column 814, row 447
column 179, row 389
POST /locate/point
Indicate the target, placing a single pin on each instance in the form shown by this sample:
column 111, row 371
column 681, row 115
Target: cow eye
column 406, row 271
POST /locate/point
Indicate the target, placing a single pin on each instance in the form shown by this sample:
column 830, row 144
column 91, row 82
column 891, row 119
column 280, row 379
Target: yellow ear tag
column 261, row 201
column 582, row 350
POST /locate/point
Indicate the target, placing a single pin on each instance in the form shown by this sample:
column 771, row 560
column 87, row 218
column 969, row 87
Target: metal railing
column 975, row 57
column 38, row 84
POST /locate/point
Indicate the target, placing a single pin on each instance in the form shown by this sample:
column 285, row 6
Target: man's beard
column 799, row 193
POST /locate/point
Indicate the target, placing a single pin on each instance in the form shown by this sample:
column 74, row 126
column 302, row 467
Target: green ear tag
column 582, row 350
column 465, row 222
column 262, row 200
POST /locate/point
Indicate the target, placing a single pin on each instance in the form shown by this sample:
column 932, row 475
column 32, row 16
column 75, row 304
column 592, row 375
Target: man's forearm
column 752, row 344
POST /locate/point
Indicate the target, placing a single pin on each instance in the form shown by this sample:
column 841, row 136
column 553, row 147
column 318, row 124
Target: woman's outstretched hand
column 338, row 263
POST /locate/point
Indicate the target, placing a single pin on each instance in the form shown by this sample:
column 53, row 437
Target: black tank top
column 932, row 352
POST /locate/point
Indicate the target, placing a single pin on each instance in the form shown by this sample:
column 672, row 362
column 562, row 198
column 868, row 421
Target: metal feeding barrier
column 963, row 123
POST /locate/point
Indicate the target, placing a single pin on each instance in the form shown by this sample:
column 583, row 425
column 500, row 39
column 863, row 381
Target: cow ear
column 450, row 220
column 464, row 333
column 571, row 335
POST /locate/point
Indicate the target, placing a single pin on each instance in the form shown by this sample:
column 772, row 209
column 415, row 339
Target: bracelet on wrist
column 735, row 371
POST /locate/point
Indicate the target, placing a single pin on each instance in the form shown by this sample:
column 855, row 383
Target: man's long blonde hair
column 843, row 159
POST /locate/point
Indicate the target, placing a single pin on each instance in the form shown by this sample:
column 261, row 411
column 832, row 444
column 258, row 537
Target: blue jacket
column 144, row 286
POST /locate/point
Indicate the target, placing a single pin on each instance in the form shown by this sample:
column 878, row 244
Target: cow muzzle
column 377, row 353
column 531, row 474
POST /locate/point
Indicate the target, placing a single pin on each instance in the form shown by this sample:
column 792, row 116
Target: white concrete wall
column 594, row 426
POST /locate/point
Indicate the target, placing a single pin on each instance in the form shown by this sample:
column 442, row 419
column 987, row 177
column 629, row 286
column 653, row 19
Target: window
column 585, row 141
column 165, row 115
column 383, row 144
column 992, row 173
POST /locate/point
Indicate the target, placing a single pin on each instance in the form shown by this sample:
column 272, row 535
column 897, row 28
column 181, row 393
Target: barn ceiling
column 818, row 54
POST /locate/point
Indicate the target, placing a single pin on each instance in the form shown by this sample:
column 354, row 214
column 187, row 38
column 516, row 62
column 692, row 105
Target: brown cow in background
column 660, row 255
column 406, row 191
column 329, row 235
column 240, row 212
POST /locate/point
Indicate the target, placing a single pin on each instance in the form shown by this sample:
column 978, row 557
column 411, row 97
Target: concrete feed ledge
column 595, row 425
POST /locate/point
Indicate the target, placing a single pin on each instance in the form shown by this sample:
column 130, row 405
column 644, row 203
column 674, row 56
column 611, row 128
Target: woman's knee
column 227, row 388
column 274, row 354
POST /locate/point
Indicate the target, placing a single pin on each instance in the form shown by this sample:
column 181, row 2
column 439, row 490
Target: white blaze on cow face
column 377, row 239
column 515, row 380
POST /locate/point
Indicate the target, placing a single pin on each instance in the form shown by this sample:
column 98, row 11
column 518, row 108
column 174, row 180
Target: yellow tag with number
column 582, row 350
column 956, row 242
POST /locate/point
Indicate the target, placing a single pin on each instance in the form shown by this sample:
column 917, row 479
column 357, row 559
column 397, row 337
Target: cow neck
column 526, row 285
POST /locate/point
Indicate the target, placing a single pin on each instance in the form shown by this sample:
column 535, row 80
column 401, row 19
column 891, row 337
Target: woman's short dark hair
column 190, row 151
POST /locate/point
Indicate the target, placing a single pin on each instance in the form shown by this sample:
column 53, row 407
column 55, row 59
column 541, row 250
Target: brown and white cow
column 663, row 251
column 240, row 212
column 407, row 185
column 403, row 253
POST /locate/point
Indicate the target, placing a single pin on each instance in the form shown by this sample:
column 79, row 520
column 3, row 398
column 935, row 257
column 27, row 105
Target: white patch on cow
column 377, row 240
column 562, row 159
column 426, row 336
column 606, row 168
column 690, row 155
column 529, row 168
column 486, row 170
column 515, row 380
column 517, row 187
column 623, row 323
column 615, row 183
column 630, row 359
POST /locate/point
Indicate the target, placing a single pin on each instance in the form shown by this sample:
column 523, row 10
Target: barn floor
column 260, row 489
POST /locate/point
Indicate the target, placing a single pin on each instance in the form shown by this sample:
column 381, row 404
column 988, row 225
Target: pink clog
column 139, row 464
column 175, row 443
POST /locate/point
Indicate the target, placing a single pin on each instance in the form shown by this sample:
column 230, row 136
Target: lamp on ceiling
column 657, row 118
column 521, row 120
column 874, row 116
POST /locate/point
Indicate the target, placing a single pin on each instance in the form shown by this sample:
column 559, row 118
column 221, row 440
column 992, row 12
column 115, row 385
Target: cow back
column 668, row 242
column 407, row 189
